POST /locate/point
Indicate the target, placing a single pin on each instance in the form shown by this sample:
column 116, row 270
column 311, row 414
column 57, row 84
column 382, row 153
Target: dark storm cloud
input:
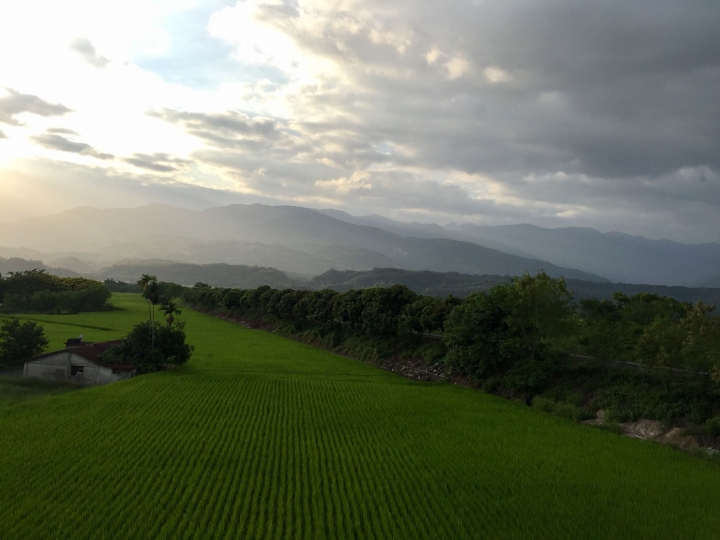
column 559, row 111
column 87, row 50
column 158, row 162
column 57, row 142
column 611, row 89
column 16, row 103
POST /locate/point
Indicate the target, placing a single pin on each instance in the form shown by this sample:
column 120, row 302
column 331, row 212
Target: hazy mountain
column 52, row 257
column 157, row 230
column 421, row 230
column 15, row 264
column 422, row 281
column 617, row 256
column 76, row 265
column 217, row 275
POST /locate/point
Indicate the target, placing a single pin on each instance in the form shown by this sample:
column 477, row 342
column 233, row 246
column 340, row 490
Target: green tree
column 383, row 307
column 3, row 288
column 477, row 335
column 151, row 349
column 171, row 309
column 149, row 285
column 541, row 311
column 514, row 331
column 701, row 347
column 20, row 341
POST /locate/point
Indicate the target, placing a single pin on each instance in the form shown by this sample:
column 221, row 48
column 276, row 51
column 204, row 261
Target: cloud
column 86, row 49
column 158, row 162
column 2, row 135
column 62, row 131
column 549, row 112
column 15, row 103
column 399, row 190
column 495, row 74
column 42, row 186
column 233, row 130
column 61, row 144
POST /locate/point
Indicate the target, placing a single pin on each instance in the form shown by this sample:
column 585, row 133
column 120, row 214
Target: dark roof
column 90, row 352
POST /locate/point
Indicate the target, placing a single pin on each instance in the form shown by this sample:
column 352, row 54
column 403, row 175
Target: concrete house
column 77, row 364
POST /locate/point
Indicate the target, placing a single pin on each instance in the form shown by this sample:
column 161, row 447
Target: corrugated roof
column 90, row 352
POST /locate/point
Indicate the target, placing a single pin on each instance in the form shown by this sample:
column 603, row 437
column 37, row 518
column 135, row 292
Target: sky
column 558, row 113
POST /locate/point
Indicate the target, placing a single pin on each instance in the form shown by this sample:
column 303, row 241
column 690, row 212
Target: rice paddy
column 261, row 437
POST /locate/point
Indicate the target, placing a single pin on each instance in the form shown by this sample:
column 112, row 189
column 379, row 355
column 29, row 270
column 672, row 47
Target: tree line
column 36, row 291
column 531, row 317
column 520, row 338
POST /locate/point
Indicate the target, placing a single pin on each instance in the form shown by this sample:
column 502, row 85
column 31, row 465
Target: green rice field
column 260, row 437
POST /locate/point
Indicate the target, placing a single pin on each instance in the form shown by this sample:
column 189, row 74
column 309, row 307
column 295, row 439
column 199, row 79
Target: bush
column 570, row 412
column 138, row 349
column 544, row 404
column 712, row 427
column 631, row 400
column 20, row 341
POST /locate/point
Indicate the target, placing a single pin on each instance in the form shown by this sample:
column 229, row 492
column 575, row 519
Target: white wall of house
column 66, row 366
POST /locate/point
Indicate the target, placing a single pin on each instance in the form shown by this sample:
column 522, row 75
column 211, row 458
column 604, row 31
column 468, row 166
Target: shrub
column 570, row 412
column 138, row 349
column 20, row 341
column 545, row 404
column 712, row 427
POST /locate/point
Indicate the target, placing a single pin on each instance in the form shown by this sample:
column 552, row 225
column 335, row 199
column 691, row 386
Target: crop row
column 209, row 452
column 278, row 457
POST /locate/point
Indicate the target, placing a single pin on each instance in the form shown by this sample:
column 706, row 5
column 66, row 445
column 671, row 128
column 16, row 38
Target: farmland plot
column 262, row 437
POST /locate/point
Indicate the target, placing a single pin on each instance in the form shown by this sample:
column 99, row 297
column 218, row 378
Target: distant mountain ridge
column 617, row 256
column 164, row 232
column 15, row 264
column 217, row 275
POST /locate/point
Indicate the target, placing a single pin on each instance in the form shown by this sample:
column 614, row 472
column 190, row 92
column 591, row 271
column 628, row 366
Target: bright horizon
column 554, row 114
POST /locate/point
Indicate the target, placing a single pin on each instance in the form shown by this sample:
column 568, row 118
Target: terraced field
column 261, row 437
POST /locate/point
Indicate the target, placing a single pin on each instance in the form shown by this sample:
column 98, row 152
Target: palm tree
column 170, row 309
column 149, row 284
column 145, row 282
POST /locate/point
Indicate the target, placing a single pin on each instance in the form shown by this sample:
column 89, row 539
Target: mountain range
column 620, row 257
column 293, row 239
column 304, row 242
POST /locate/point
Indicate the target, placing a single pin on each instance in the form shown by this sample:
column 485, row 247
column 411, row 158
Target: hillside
column 262, row 437
column 617, row 256
column 15, row 264
column 165, row 232
column 445, row 283
column 219, row 275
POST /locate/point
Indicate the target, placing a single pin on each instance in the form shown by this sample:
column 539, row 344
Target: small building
column 78, row 364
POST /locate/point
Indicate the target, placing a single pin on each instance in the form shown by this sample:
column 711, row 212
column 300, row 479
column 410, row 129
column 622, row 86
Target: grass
column 261, row 437
column 14, row 390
